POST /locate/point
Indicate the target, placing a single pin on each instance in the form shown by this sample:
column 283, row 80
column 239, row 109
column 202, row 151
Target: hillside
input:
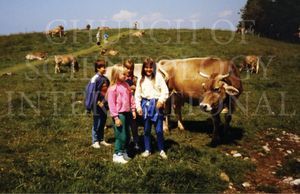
column 45, row 133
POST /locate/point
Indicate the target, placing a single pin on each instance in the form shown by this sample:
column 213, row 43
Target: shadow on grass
column 228, row 137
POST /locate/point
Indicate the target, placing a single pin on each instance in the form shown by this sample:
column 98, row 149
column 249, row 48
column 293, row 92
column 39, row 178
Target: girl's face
column 122, row 75
column 129, row 69
column 148, row 69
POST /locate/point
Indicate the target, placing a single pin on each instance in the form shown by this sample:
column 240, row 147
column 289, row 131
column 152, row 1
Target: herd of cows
column 213, row 84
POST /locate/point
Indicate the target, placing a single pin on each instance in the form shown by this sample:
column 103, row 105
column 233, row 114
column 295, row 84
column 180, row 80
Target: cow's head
column 215, row 92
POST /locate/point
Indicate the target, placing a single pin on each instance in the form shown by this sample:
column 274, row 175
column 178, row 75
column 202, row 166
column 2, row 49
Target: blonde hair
column 115, row 73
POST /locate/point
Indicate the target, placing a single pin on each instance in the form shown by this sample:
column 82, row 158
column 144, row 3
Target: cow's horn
column 204, row 75
column 223, row 76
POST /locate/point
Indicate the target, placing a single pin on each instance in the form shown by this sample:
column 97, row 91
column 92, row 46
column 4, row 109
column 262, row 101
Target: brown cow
column 211, row 82
column 111, row 52
column 36, row 55
column 103, row 28
column 68, row 60
column 59, row 30
column 251, row 63
column 139, row 33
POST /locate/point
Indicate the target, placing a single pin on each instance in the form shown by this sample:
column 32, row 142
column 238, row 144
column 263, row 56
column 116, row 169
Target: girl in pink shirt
column 122, row 106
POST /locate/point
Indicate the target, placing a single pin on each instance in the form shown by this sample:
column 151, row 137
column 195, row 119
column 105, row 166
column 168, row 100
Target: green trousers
column 122, row 137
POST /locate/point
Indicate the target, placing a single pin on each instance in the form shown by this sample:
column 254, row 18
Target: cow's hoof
column 166, row 130
column 214, row 143
column 180, row 126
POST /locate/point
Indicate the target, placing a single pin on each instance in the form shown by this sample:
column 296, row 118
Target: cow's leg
column 256, row 67
column 56, row 68
column 216, row 131
column 167, row 112
column 228, row 118
column 178, row 103
column 166, row 124
column 253, row 68
column 179, row 116
column 242, row 67
column 73, row 67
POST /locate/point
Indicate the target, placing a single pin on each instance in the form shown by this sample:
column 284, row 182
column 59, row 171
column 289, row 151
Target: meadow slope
column 45, row 134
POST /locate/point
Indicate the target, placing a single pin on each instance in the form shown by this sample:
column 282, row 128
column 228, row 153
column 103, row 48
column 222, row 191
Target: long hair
column 129, row 64
column 115, row 73
column 151, row 62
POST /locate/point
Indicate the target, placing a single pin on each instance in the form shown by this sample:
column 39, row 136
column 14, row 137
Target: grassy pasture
column 45, row 135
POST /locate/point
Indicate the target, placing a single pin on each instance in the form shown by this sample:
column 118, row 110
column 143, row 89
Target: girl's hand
column 133, row 87
column 140, row 112
column 159, row 105
column 118, row 122
column 100, row 104
column 134, row 115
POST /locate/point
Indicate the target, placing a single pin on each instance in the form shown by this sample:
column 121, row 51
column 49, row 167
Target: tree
column 278, row 19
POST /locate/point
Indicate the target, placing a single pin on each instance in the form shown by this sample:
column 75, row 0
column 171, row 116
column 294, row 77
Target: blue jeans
column 99, row 120
column 159, row 133
column 151, row 115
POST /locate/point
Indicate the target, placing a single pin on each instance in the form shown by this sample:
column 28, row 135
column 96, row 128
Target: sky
column 22, row 16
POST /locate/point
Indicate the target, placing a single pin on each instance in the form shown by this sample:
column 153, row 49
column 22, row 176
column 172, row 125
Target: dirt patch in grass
column 272, row 152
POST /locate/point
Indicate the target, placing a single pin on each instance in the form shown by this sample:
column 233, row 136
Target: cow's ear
column 230, row 90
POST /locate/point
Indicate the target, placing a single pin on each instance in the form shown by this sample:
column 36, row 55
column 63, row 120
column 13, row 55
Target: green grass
column 45, row 135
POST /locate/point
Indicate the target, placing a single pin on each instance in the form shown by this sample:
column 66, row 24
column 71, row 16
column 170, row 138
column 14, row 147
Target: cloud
column 124, row 15
column 225, row 13
column 153, row 17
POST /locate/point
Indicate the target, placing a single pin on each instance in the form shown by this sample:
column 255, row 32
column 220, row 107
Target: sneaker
column 105, row 143
column 96, row 145
column 118, row 158
column 126, row 157
column 163, row 155
column 145, row 154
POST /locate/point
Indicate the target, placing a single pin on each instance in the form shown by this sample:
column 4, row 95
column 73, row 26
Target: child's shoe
column 96, row 145
column 105, row 143
column 145, row 154
column 118, row 158
column 126, row 157
column 163, row 155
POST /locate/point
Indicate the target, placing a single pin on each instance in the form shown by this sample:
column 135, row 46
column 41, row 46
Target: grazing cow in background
column 138, row 33
column 36, row 55
column 68, row 60
column 251, row 63
column 212, row 83
column 111, row 52
column 59, row 30
column 103, row 28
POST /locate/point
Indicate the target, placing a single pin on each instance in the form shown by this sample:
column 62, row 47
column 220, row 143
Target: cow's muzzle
column 206, row 107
